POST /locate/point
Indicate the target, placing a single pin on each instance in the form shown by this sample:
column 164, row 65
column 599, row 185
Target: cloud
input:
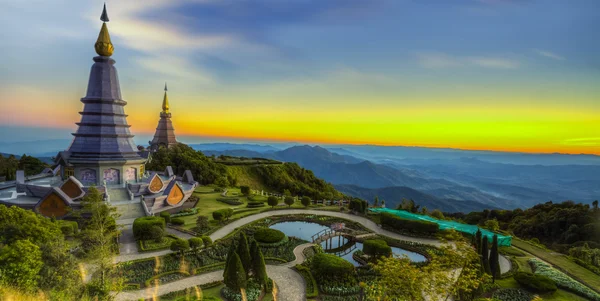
column 591, row 141
column 549, row 54
column 438, row 60
column 491, row 62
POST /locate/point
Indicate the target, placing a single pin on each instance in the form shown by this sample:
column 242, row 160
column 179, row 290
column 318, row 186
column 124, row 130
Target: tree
column 289, row 201
column 376, row 202
column 206, row 240
column 305, row 201
column 492, row 224
column 478, row 241
column 20, row 263
column 424, row 210
column 195, row 243
column 235, row 275
column 595, row 205
column 287, row 192
column 437, row 214
column 98, row 238
column 202, row 223
column 485, row 259
column 180, row 246
column 258, row 264
column 245, row 190
column 273, row 201
column 243, row 251
column 494, row 259
column 383, row 203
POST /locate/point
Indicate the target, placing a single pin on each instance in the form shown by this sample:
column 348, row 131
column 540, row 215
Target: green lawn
column 562, row 262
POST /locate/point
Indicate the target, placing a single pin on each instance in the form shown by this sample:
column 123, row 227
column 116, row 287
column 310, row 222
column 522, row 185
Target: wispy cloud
column 591, row 141
column 549, row 54
column 436, row 60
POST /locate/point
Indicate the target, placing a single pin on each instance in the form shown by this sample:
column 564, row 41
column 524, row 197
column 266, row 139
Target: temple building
column 104, row 155
column 165, row 134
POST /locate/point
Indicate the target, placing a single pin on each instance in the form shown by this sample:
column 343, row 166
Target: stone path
column 291, row 284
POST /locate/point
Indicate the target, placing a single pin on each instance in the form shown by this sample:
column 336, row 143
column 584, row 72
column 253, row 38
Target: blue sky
column 301, row 57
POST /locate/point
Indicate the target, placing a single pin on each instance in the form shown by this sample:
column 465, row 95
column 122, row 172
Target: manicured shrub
column 178, row 221
column 289, row 201
column 376, row 247
column 305, row 201
column 230, row 201
column 180, row 245
column 243, row 250
column 330, row 266
column 234, row 274
column 68, row 228
column 535, row 283
column 195, row 242
column 202, row 223
column 357, row 205
column 142, row 226
column 255, row 204
column 222, row 214
column 273, row 201
column 267, row 235
column 206, row 240
column 419, row 227
column 166, row 215
column 157, row 233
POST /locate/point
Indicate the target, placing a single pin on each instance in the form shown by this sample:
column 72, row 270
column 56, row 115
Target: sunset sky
column 519, row 75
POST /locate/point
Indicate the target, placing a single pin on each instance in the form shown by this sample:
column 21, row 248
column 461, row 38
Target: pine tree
column 376, row 202
column 258, row 264
column 244, row 252
column 253, row 250
column 494, row 259
column 485, row 260
column 235, row 275
column 478, row 241
column 228, row 258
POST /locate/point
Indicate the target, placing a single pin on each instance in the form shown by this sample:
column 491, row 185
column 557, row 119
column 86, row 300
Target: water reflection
column 306, row 230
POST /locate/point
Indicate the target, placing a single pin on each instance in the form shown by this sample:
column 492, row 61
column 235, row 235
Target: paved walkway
column 283, row 275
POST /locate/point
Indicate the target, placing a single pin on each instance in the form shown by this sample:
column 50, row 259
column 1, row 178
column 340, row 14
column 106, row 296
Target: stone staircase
column 129, row 211
column 118, row 194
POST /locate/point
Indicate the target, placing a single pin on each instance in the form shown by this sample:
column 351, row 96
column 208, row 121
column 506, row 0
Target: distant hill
column 204, row 147
column 394, row 195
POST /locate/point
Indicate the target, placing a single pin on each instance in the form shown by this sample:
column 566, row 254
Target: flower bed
column 312, row 289
column 165, row 277
column 512, row 294
column 284, row 251
column 339, row 298
column 562, row 280
column 252, row 293
column 190, row 291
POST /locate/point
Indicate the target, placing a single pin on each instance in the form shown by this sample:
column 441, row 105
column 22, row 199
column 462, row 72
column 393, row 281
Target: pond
column 306, row 230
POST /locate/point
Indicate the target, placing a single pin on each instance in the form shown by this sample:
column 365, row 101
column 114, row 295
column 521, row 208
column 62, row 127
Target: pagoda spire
column 104, row 46
column 165, row 104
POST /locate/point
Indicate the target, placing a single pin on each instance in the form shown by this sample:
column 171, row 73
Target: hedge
column 328, row 265
column 415, row 226
column 142, row 225
column 230, row 201
column 68, row 228
column 312, row 290
column 376, row 247
column 177, row 221
column 255, row 204
column 267, row 235
column 209, row 268
column 166, row 215
column 149, row 281
column 222, row 214
column 536, row 283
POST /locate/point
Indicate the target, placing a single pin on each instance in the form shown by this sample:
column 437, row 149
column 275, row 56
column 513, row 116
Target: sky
column 518, row 75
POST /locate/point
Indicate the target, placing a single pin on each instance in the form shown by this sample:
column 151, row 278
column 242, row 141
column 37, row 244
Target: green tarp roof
column 503, row 240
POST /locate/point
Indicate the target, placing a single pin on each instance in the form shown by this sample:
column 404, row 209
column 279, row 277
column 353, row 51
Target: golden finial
column 103, row 45
column 165, row 105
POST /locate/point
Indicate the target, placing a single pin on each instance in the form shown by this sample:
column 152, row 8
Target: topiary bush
column 255, row 204
column 222, row 214
column 195, row 242
column 376, row 248
column 166, row 215
column 268, row 235
column 68, row 228
column 330, row 266
column 142, row 226
column 206, row 240
column 419, row 227
column 178, row 221
column 535, row 283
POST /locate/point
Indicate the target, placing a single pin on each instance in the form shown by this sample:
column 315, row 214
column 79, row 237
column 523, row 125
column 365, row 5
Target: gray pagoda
column 103, row 151
column 165, row 134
